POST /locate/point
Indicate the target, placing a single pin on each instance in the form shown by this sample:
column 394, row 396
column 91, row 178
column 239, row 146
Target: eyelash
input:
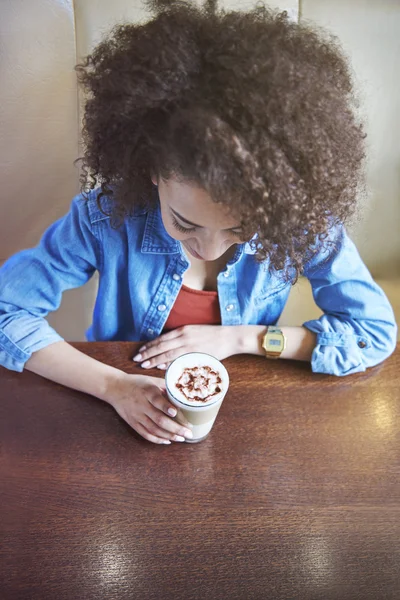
column 182, row 229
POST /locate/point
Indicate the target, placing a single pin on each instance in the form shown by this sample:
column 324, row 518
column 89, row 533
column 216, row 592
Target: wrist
column 249, row 339
column 300, row 343
column 110, row 383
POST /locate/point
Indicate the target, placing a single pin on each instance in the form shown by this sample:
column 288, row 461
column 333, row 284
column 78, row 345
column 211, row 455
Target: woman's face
column 205, row 229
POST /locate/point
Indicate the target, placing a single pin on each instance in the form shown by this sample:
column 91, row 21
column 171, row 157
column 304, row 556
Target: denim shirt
column 141, row 269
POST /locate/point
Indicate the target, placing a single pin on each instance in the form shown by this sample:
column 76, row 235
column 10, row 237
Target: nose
column 210, row 247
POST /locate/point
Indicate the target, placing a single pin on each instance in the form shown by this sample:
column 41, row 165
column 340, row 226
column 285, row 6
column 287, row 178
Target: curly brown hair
column 257, row 110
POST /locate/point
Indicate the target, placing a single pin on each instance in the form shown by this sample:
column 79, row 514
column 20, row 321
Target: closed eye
column 180, row 227
column 236, row 232
column 183, row 229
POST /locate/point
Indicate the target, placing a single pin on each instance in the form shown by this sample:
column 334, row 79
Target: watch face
column 274, row 342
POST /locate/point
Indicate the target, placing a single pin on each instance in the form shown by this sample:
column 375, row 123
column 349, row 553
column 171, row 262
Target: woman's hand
column 141, row 402
column 218, row 340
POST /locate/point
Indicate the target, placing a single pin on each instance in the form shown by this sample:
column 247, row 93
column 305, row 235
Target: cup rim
column 195, row 406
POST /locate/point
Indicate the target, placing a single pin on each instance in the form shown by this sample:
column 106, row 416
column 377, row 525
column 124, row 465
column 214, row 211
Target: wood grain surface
column 294, row 495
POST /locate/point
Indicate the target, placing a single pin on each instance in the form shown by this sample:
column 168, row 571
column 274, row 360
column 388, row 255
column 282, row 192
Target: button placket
column 227, row 292
column 164, row 295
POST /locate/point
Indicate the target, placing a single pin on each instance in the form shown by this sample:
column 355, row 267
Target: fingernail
column 189, row 434
column 162, row 366
column 172, row 412
column 146, row 364
column 165, row 442
column 143, row 348
column 137, row 357
column 179, row 438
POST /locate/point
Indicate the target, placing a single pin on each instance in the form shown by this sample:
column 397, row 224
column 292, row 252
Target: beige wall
column 38, row 118
column 370, row 34
column 39, row 133
column 41, row 41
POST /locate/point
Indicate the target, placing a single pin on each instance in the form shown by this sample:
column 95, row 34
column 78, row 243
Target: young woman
column 222, row 158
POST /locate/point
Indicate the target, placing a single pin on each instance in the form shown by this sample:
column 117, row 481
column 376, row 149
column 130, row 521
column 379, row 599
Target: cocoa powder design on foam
column 196, row 381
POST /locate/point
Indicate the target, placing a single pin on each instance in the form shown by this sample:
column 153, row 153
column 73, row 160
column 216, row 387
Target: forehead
column 196, row 205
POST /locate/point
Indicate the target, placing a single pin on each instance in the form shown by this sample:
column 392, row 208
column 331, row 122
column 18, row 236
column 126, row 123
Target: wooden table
column 294, row 495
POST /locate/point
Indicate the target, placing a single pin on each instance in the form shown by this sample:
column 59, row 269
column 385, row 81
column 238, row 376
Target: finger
column 171, row 335
column 163, row 404
column 149, row 436
column 158, row 345
column 166, row 356
column 159, row 432
column 169, row 409
column 157, row 349
column 182, row 420
column 165, row 424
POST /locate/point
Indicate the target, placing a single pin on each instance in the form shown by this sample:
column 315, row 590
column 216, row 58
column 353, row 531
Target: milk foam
column 197, row 379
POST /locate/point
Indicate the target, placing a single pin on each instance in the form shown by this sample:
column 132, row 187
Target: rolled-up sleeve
column 358, row 328
column 32, row 283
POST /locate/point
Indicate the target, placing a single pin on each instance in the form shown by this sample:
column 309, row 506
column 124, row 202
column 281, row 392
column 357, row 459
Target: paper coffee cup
column 192, row 407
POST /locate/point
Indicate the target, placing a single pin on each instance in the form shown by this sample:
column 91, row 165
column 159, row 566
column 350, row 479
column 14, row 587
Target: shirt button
column 226, row 274
column 176, row 277
column 229, row 307
column 161, row 307
column 361, row 344
column 150, row 331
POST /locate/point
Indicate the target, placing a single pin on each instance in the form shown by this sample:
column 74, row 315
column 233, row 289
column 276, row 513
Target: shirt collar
column 248, row 248
column 155, row 238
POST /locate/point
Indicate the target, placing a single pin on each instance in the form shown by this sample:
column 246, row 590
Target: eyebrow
column 176, row 214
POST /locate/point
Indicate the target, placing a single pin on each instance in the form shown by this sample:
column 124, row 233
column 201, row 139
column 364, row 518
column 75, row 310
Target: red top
column 194, row 307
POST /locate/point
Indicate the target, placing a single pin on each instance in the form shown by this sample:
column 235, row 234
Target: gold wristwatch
column 274, row 342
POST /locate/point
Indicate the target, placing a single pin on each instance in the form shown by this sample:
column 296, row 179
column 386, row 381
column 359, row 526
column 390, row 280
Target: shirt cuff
column 13, row 354
column 337, row 352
